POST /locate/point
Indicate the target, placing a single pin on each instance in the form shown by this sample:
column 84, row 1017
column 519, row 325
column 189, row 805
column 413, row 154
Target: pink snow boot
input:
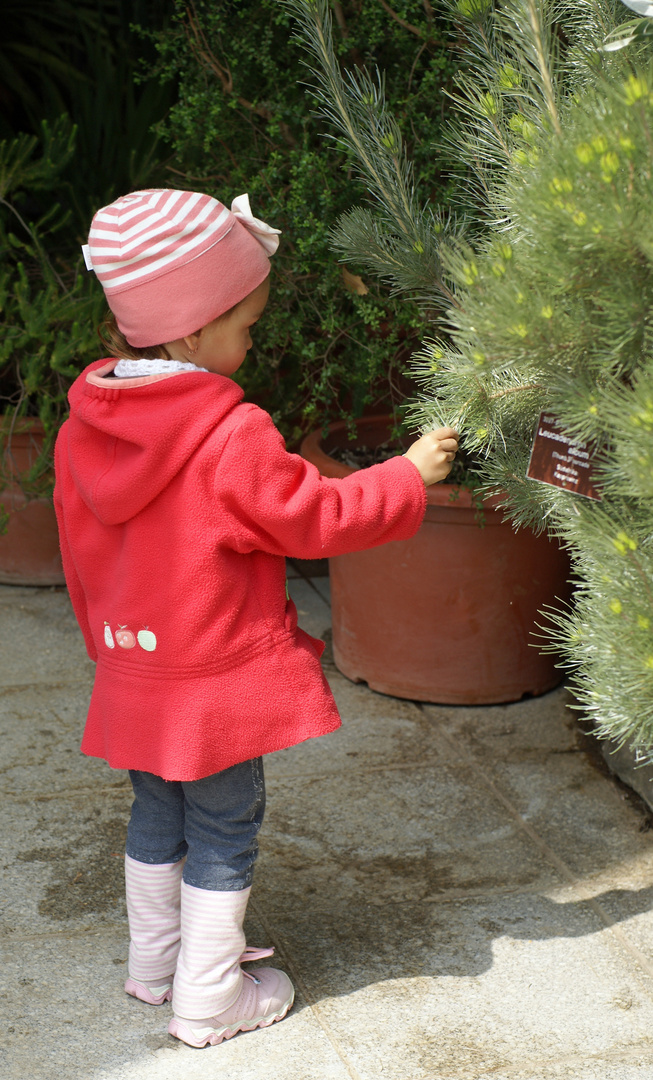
column 213, row 998
column 153, row 909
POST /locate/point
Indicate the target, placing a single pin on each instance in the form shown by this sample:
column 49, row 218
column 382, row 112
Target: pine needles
column 550, row 278
column 399, row 241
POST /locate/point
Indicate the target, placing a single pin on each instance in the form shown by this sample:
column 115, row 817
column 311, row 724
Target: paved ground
column 458, row 893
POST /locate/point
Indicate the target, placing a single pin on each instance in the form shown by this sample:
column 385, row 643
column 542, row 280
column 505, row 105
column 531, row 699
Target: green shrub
column 49, row 307
column 79, row 132
column 329, row 345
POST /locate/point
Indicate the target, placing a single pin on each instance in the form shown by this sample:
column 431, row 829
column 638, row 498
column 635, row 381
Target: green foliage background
column 77, row 130
column 243, row 122
column 206, row 96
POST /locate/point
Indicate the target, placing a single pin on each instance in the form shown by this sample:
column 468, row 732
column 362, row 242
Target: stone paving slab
column 534, row 724
column 625, row 763
column 71, row 1018
column 40, row 732
column 471, row 986
column 570, row 808
column 631, row 908
column 531, row 754
column 39, row 638
column 378, row 730
column 387, row 836
column 457, row 893
column 297, row 1049
column 312, row 600
column 62, row 861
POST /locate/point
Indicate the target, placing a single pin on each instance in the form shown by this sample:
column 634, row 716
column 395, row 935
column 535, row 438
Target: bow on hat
column 265, row 234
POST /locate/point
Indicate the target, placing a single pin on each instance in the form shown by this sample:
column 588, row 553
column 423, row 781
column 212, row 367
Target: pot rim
column 441, row 494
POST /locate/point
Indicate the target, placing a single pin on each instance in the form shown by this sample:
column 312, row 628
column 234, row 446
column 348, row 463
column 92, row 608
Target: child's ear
column 192, row 342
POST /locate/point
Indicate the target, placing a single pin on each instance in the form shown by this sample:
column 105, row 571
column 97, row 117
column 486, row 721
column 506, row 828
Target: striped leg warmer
column 153, row 909
column 208, row 978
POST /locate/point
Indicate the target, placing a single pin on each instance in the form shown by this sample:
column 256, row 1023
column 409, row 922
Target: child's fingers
column 444, row 433
column 433, row 454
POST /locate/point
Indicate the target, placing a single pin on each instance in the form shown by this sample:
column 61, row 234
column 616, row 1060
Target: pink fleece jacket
column 177, row 503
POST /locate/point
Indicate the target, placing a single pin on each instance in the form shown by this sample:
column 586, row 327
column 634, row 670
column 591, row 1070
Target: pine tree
column 542, row 292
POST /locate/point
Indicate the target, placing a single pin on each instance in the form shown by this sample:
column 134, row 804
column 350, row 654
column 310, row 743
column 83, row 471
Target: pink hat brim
column 188, row 297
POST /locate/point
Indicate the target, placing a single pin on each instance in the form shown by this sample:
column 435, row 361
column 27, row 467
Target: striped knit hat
column 172, row 261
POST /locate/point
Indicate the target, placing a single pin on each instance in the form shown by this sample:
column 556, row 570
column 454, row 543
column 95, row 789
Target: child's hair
column 120, row 349
column 112, row 338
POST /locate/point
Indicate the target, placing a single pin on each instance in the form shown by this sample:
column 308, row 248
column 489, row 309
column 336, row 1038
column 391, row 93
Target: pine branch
column 535, row 42
column 402, row 244
column 367, row 239
column 355, row 106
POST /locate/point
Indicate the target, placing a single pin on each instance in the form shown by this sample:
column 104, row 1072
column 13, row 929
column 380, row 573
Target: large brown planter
column 448, row 616
column 29, row 548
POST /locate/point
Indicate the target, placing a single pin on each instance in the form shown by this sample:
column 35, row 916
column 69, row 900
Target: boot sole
column 213, row 1037
column 143, row 993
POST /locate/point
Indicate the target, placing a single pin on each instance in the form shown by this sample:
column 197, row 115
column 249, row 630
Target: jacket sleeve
column 279, row 503
column 75, row 589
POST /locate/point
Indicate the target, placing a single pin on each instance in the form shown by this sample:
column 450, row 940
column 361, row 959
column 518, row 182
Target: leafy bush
column 73, row 144
column 49, row 307
column 329, row 345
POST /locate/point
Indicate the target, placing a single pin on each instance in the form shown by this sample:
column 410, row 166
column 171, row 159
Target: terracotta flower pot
column 448, row 616
column 29, row 548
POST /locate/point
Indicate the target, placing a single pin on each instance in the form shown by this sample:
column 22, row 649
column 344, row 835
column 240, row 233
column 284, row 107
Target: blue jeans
column 213, row 823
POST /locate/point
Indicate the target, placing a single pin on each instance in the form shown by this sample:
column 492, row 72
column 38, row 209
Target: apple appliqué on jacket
column 146, row 640
column 125, row 638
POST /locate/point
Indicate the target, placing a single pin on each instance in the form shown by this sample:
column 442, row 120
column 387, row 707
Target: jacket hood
column 127, row 439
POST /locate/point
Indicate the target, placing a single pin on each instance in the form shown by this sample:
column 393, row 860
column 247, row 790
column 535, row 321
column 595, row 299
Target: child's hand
column 433, row 454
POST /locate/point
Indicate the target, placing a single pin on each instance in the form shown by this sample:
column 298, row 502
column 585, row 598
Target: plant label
column 558, row 460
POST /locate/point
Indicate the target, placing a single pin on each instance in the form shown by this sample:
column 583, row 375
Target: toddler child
column 177, row 503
